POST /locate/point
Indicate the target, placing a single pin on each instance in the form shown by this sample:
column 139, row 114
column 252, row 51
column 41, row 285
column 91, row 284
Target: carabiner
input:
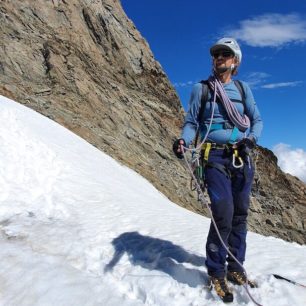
column 236, row 156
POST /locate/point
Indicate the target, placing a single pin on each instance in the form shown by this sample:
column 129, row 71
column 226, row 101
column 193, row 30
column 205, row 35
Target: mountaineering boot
column 239, row 278
column 222, row 289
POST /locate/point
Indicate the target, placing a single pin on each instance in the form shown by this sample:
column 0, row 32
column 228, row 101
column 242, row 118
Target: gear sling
column 200, row 164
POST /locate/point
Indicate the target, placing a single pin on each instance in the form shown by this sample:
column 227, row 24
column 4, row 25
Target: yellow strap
column 207, row 147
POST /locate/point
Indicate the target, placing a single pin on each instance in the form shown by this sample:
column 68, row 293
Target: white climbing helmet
column 229, row 44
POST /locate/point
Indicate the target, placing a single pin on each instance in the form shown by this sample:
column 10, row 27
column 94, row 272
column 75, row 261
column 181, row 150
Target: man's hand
column 245, row 146
column 177, row 147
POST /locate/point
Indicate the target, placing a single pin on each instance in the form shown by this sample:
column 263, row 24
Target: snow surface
column 77, row 228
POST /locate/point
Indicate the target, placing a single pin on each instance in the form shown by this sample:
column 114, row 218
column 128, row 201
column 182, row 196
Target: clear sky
column 272, row 36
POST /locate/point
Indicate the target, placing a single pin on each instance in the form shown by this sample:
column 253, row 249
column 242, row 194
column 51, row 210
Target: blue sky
column 272, row 36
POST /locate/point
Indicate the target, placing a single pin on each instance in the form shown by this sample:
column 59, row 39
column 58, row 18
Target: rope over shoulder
column 242, row 122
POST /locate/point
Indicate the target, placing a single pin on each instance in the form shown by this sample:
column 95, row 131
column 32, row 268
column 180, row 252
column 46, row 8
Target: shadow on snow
column 157, row 254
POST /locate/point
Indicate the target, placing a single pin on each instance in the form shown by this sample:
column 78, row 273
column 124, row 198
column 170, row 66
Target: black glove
column 245, row 146
column 176, row 147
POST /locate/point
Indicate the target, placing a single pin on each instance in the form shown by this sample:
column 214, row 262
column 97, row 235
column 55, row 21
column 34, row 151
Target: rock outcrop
column 83, row 64
column 278, row 205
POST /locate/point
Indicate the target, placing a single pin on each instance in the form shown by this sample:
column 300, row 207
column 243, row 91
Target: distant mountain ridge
column 83, row 64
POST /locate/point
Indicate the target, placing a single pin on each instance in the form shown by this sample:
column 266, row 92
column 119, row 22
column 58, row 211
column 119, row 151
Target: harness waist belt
column 216, row 146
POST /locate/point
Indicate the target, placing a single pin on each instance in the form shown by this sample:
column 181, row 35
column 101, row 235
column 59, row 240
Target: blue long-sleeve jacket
column 223, row 135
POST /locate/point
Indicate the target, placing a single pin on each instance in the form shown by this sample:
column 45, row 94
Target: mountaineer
column 224, row 114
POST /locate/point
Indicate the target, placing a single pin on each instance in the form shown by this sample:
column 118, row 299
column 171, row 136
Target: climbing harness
column 200, row 161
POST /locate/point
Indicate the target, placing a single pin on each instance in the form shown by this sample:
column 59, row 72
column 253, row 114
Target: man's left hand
column 245, row 146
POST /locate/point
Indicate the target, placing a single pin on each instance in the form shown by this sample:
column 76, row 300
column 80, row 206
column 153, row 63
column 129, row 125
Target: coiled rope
column 242, row 122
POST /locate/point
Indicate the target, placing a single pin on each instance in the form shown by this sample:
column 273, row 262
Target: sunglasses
column 224, row 54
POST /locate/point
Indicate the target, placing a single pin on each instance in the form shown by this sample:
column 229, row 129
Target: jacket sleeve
column 191, row 119
column 253, row 113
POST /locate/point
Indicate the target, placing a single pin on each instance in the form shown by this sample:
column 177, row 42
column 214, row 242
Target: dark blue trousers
column 230, row 198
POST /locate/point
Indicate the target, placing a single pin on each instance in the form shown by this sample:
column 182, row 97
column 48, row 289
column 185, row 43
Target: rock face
column 83, row 64
column 278, row 205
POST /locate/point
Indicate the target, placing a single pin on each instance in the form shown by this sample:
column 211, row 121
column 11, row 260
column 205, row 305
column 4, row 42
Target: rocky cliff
column 83, row 64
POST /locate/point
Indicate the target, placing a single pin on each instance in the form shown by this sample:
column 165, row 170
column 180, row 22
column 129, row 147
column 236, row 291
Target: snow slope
column 79, row 229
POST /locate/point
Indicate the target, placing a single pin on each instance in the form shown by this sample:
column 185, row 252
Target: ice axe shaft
column 288, row 280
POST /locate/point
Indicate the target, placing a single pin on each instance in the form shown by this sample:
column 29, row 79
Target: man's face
column 223, row 58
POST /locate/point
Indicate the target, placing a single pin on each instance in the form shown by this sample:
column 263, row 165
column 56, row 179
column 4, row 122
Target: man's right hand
column 177, row 147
